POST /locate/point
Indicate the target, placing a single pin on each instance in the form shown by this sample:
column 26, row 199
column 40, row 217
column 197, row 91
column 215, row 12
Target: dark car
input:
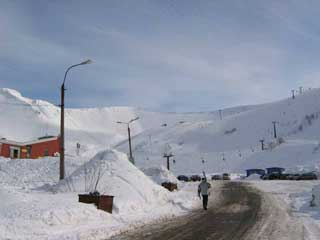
column 272, row 176
column 226, row 176
column 308, row 176
column 284, row 176
column 216, row 177
column 195, row 178
column 293, row 176
column 183, row 178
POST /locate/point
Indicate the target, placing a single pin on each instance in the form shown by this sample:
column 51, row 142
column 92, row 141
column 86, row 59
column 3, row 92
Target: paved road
column 232, row 217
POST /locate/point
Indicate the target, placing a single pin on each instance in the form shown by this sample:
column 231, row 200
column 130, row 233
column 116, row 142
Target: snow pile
column 111, row 173
column 26, row 216
column 160, row 174
column 254, row 177
column 53, row 211
column 32, row 173
column 316, row 195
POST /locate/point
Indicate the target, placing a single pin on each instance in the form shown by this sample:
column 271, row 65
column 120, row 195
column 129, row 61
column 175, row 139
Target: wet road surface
column 232, row 217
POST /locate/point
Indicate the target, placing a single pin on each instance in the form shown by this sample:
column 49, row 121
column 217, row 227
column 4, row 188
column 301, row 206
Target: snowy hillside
column 232, row 144
column 226, row 140
column 95, row 129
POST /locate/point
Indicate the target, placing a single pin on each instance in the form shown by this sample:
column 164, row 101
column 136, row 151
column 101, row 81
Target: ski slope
column 96, row 129
column 232, row 144
column 214, row 141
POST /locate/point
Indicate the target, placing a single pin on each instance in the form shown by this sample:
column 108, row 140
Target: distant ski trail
column 243, row 213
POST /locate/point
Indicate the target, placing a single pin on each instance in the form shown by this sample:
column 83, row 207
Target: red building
column 42, row 147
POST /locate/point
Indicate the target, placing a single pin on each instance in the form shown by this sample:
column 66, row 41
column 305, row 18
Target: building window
column 46, row 152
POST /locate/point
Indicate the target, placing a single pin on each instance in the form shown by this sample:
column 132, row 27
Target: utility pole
column 262, row 144
column 293, row 96
column 61, row 176
column 62, row 89
column 168, row 156
column 203, row 163
column 130, row 148
column 131, row 159
column 300, row 90
column 274, row 129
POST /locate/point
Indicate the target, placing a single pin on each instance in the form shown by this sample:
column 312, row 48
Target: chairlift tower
column 168, row 156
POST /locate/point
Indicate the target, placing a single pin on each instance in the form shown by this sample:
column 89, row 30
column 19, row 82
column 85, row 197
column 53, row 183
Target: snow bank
column 160, row 174
column 316, row 194
column 32, row 173
column 53, row 211
column 25, row 216
column 111, row 173
column 295, row 197
column 254, row 177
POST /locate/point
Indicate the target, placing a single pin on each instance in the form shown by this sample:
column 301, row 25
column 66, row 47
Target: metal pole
column 262, row 144
column 274, row 129
column 130, row 149
column 168, row 156
column 220, row 114
column 61, row 176
column 62, row 169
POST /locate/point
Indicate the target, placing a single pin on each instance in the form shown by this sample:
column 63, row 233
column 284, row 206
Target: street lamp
column 62, row 118
column 274, row 129
column 131, row 159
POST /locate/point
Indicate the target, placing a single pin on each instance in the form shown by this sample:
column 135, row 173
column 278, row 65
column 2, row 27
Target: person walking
column 203, row 190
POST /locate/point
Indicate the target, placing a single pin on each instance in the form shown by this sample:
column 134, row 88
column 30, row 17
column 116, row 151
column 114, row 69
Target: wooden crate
column 103, row 202
column 170, row 186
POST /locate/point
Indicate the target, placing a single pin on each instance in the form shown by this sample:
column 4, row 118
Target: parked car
column 308, row 176
column 284, row 176
column 226, row 176
column 183, row 178
column 271, row 176
column 216, row 177
column 195, row 178
column 293, row 176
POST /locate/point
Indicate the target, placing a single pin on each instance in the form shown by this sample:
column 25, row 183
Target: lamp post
column 62, row 118
column 131, row 159
column 274, row 129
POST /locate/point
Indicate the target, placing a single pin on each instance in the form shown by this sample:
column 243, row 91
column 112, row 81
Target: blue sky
column 164, row 55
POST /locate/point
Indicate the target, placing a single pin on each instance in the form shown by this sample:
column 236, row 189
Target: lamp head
column 86, row 62
column 132, row 120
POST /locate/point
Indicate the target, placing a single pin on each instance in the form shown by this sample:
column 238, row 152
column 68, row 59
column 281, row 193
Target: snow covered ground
column 36, row 206
column 295, row 197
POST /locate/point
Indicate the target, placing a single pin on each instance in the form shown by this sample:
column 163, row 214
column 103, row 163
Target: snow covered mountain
column 226, row 140
column 233, row 143
column 95, row 129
